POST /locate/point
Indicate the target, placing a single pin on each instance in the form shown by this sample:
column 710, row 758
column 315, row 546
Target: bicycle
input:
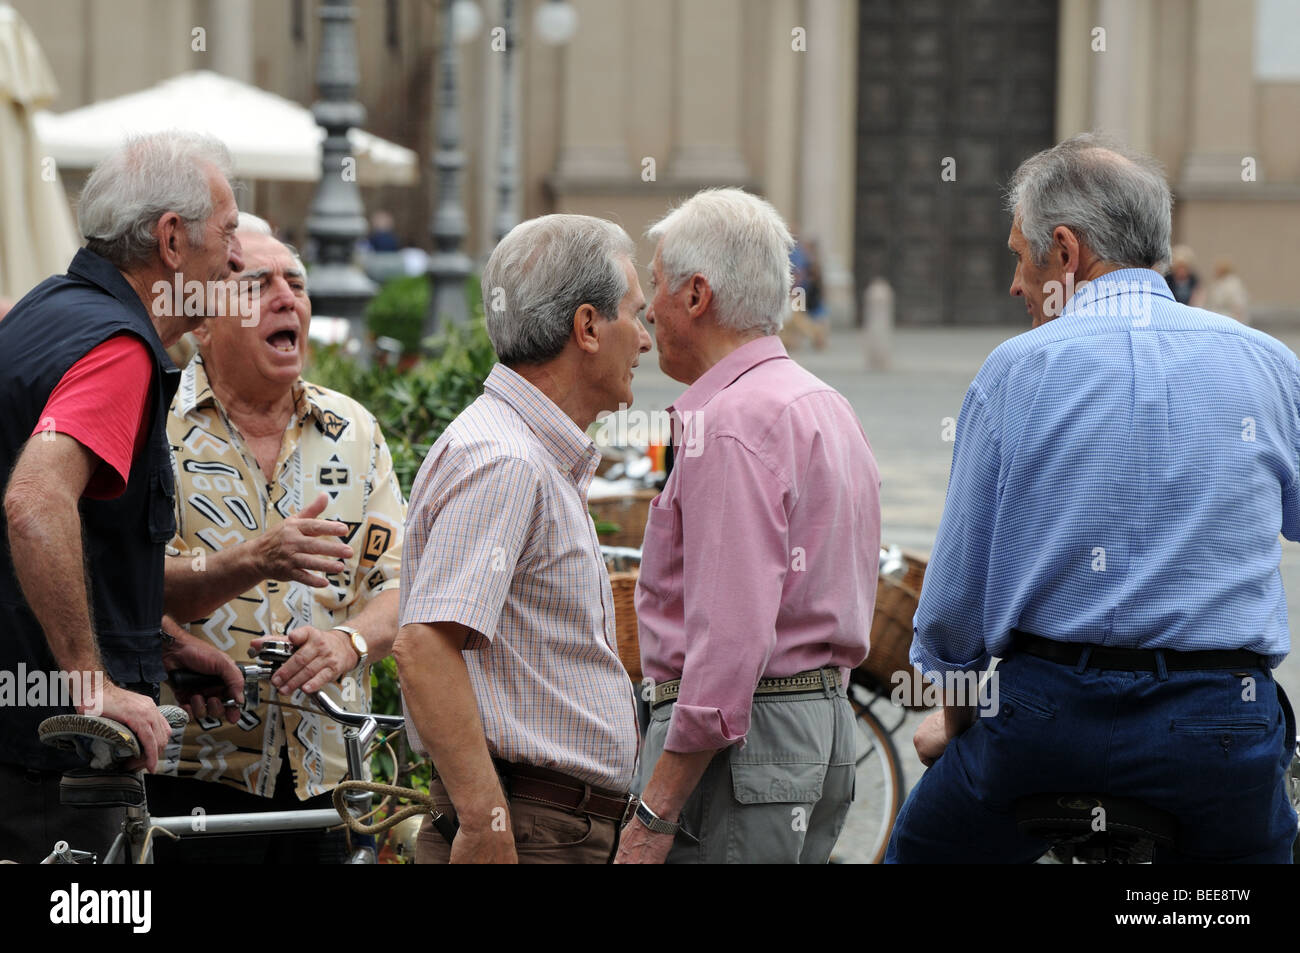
column 134, row 843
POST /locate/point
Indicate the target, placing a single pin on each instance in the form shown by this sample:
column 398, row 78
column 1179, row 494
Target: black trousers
column 169, row 796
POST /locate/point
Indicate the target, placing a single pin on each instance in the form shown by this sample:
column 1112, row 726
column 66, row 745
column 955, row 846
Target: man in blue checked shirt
column 1120, row 476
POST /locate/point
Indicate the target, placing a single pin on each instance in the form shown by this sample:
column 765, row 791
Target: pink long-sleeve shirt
column 760, row 555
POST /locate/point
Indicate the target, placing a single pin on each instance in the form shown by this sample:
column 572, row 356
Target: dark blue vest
column 48, row 331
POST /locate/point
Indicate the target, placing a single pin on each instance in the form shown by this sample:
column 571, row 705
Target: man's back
column 1142, row 456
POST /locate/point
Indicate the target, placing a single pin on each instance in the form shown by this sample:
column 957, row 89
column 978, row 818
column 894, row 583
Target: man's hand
column 300, row 548
column 141, row 715
column 321, row 656
column 483, row 847
column 939, row 728
column 198, row 656
column 640, row 845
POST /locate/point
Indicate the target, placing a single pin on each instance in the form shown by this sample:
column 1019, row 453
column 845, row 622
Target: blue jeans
column 1185, row 742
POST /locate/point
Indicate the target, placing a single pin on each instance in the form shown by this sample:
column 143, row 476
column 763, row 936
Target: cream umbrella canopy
column 37, row 234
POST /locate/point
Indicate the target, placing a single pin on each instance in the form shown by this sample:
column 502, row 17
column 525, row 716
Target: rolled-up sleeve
column 479, row 523
column 735, row 558
column 948, row 629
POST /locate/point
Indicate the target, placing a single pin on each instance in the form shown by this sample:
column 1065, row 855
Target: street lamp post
column 507, row 155
column 449, row 266
column 338, row 287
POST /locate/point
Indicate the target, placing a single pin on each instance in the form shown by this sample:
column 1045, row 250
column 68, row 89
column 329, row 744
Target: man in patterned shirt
column 507, row 655
column 289, row 524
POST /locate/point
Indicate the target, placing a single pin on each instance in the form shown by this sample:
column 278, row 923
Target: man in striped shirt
column 1120, row 476
column 507, row 655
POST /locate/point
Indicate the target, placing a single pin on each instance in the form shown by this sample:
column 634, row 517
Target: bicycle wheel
column 878, row 790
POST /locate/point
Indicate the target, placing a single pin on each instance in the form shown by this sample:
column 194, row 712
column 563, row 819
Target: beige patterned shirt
column 333, row 444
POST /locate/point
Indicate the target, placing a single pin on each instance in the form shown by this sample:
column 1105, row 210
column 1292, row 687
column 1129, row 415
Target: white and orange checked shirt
column 499, row 539
column 333, row 444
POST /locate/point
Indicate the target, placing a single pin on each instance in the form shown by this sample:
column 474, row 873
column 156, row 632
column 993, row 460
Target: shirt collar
column 196, row 391
column 725, row 373
column 1142, row 283
column 572, row 449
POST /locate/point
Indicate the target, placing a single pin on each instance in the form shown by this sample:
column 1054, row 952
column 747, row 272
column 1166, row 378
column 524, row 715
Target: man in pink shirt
column 758, row 575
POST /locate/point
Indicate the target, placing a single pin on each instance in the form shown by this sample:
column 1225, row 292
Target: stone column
column 598, row 62
column 1222, row 107
column 708, row 93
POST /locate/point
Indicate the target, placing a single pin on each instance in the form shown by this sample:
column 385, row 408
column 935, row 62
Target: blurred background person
column 1227, row 294
column 1182, row 278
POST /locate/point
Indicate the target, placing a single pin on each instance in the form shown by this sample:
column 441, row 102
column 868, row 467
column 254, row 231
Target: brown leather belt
column 543, row 786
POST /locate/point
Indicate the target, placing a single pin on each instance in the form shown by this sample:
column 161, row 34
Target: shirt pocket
column 657, row 548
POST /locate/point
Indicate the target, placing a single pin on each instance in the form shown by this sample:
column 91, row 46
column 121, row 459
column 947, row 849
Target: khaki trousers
column 543, row 834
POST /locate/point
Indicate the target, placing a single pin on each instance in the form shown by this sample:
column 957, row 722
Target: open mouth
column 285, row 341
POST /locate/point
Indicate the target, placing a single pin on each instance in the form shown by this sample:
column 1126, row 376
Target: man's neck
column 561, row 388
column 170, row 327
column 712, row 346
column 264, row 414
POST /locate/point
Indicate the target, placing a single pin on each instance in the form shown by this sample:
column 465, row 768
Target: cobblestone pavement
column 904, row 411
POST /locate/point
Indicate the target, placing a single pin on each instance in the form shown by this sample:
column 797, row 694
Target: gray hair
column 541, row 273
column 741, row 245
column 256, row 225
column 146, row 178
column 1114, row 199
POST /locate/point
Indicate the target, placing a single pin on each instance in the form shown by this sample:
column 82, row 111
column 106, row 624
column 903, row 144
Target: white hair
column 541, row 273
column 145, row 179
column 740, row 244
column 1116, row 200
column 250, row 224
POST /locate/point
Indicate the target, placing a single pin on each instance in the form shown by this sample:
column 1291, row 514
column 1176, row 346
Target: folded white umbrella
column 37, row 234
column 270, row 137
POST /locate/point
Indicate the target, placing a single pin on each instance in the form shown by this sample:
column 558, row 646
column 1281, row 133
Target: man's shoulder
column 488, row 435
column 775, row 390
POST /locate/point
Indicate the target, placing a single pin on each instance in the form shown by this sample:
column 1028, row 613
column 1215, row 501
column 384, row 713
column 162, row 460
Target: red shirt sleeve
column 103, row 402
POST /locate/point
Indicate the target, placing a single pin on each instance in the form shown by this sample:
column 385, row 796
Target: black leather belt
column 1134, row 660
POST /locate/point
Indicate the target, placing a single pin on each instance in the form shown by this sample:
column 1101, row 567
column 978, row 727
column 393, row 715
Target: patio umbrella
column 37, row 234
column 269, row 136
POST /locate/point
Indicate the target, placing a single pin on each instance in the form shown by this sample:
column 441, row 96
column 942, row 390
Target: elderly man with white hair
column 507, row 653
column 758, row 574
column 85, row 383
column 289, row 526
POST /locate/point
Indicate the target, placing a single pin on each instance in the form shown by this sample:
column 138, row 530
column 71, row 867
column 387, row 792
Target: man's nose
column 644, row 337
column 236, row 256
column 1016, row 290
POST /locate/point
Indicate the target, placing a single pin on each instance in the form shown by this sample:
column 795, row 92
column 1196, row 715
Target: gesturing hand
column 300, row 548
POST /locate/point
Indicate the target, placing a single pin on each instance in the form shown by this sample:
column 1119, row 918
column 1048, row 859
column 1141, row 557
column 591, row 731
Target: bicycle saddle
column 1099, row 826
column 105, row 743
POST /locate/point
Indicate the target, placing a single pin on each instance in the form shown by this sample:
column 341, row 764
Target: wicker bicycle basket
column 891, row 634
column 629, row 513
column 625, row 626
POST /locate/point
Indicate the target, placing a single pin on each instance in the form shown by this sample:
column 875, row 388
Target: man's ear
column 171, row 240
column 1068, row 248
column 701, row 295
column 584, row 328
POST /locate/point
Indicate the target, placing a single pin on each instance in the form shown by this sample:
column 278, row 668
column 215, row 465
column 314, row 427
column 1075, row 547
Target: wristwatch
column 358, row 644
column 653, row 821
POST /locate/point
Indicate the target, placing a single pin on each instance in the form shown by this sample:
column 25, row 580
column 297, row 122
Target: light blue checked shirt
column 1120, row 476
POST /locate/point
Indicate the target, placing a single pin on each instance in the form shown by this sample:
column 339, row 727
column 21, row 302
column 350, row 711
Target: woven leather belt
column 815, row 680
column 1134, row 660
column 554, row 789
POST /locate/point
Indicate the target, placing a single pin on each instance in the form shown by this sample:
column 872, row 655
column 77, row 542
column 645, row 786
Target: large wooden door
column 971, row 81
